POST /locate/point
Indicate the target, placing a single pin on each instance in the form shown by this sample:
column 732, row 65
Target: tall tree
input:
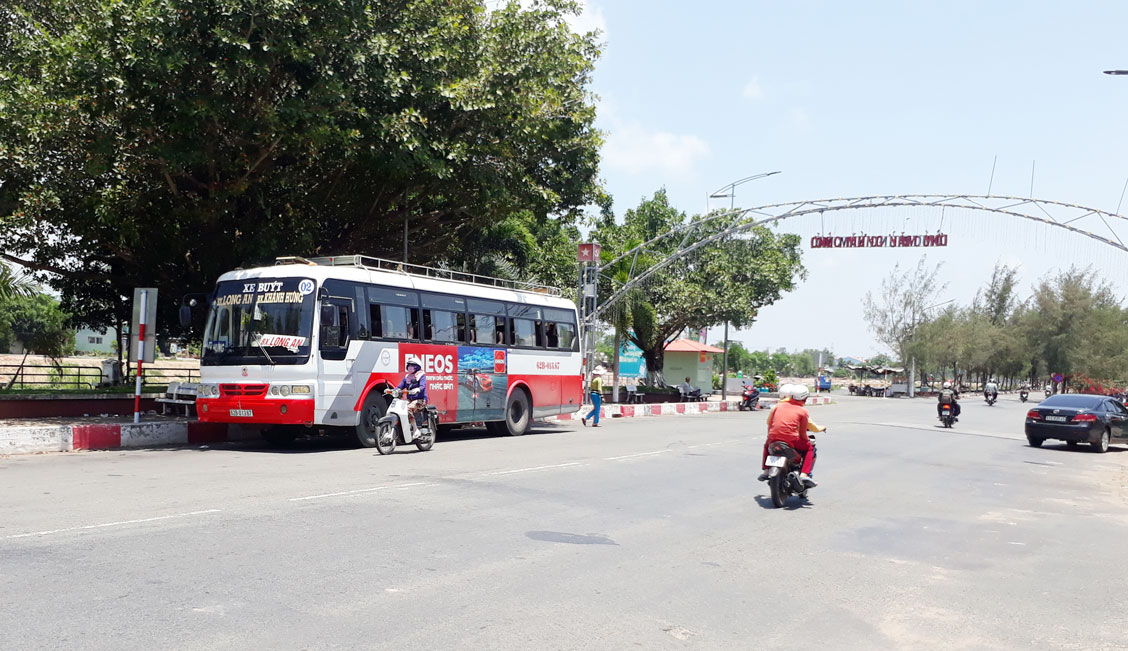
column 906, row 295
column 727, row 280
column 163, row 142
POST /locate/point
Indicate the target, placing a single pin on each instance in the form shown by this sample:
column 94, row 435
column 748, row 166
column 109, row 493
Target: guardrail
column 31, row 376
column 73, row 376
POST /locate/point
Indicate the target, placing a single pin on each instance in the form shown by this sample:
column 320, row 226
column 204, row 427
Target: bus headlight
column 300, row 388
column 210, row 390
column 285, row 390
column 274, row 390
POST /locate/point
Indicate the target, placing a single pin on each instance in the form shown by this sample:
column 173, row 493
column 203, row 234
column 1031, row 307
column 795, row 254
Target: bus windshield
column 260, row 321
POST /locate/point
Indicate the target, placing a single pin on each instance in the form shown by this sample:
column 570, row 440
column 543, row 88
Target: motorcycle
column 1048, row 392
column 398, row 424
column 784, row 464
column 749, row 399
column 990, row 398
column 947, row 415
column 1023, row 395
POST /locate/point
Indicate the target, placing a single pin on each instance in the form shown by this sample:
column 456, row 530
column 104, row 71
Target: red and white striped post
column 140, row 357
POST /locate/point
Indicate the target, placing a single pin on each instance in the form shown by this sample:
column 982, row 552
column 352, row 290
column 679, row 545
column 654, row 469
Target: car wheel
column 1034, row 441
column 1102, row 443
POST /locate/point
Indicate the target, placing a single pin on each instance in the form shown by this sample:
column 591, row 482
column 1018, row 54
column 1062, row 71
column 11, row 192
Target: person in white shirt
column 689, row 390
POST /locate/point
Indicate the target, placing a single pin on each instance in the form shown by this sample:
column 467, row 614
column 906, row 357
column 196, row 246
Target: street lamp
column 719, row 193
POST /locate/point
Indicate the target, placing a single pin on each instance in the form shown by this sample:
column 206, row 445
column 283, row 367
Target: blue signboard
column 631, row 363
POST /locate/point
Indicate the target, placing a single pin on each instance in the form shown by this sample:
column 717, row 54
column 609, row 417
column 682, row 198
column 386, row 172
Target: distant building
column 94, row 342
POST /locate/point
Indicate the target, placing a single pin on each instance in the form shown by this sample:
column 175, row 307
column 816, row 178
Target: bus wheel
column 371, row 412
column 517, row 413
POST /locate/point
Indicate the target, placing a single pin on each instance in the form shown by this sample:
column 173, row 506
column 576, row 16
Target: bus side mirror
column 185, row 316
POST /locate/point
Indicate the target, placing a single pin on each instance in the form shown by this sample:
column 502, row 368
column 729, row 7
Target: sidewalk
column 33, row 436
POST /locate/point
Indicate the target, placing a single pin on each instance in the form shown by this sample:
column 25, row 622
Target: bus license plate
column 1057, row 419
column 242, row 413
column 776, row 462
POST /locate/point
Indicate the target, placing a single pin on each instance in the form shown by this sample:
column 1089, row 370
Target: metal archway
column 1052, row 213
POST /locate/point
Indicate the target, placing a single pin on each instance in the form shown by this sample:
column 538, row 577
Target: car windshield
column 1073, row 401
column 260, row 321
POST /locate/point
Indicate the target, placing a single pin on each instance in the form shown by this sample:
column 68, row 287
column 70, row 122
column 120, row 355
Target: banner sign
column 864, row 241
column 631, row 363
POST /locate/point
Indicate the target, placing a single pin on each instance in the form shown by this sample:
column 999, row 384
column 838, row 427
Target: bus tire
column 518, row 413
column 371, row 412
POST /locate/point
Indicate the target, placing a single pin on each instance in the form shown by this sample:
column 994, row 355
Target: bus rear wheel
column 518, row 413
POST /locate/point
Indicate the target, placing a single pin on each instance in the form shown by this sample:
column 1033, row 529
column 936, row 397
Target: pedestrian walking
column 595, row 387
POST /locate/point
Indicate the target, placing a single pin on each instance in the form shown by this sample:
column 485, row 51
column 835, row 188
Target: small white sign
column 305, row 287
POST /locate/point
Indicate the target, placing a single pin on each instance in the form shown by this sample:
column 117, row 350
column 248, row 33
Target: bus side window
column 539, row 333
column 550, row 336
column 499, row 331
column 394, row 321
column 566, row 333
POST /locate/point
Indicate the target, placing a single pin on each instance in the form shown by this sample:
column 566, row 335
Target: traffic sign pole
column 140, row 357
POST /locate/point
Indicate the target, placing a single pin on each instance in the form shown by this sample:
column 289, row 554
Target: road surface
column 646, row 533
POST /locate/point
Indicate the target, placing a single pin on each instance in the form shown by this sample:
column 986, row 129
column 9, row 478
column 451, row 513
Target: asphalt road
column 645, row 533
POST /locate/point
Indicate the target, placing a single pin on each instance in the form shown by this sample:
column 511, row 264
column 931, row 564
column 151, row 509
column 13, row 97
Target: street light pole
column 731, row 195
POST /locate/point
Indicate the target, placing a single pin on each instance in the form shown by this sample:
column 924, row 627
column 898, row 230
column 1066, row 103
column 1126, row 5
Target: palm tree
column 13, row 283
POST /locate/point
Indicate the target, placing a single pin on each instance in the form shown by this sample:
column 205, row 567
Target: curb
column 673, row 409
column 67, row 438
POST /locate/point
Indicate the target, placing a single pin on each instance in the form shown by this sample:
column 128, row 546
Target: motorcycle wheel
column 386, row 438
column 776, row 485
column 427, row 441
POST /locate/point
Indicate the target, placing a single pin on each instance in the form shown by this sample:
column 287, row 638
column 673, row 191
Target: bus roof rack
column 292, row 259
column 380, row 264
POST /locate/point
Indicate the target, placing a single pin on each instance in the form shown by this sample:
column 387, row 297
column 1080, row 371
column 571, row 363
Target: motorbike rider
column 415, row 383
column 991, row 390
column 949, row 395
column 788, row 422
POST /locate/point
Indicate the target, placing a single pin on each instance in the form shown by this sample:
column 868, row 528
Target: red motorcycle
column 749, row 399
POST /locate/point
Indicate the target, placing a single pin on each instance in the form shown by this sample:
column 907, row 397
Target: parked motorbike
column 398, row 424
column 749, row 398
column 784, row 464
column 1048, row 392
column 947, row 415
column 1023, row 395
column 990, row 398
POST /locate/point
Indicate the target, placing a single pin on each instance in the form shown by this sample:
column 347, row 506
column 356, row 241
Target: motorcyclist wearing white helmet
column 789, row 422
column 991, row 389
column 949, row 395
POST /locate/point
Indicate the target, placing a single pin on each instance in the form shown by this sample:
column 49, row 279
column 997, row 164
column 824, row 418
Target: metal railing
column 380, row 264
column 40, row 376
column 70, row 376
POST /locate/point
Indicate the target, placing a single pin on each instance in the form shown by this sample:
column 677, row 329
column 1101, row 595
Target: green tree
column 728, row 280
column 163, row 142
column 13, row 283
column 905, row 298
column 36, row 322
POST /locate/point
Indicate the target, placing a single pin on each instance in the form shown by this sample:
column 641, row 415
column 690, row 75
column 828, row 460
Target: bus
column 312, row 344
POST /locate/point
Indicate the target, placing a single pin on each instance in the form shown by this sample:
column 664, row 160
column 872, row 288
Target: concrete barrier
column 29, row 440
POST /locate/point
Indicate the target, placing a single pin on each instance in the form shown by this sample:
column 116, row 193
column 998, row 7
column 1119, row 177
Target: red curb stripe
column 96, row 437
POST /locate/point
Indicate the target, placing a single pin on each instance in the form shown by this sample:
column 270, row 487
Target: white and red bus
column 313, row 343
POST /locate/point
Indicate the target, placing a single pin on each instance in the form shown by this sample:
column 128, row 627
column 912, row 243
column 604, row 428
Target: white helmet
column 800, row 392
column 412, row 359
column 947, row 384
column 786, row 391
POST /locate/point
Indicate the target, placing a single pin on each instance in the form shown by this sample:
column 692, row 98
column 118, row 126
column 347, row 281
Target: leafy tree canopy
column 728, row 280
column 163, row 142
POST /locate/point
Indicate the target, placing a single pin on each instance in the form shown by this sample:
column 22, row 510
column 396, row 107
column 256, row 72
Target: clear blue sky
column 855, row 99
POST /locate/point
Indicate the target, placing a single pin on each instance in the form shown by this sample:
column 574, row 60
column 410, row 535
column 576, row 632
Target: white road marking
column 635, row 456
column 111, row 524
column 709, row 445
column 510, row 472
column 358, row 491
column 1017, row 543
